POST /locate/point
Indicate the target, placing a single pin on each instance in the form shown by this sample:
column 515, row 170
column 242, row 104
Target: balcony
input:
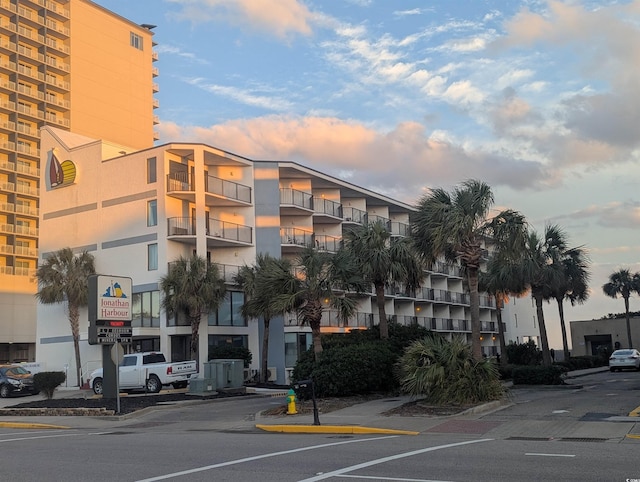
column 443, row 296
column 324, row 242
column 293, row 240
column 25, row 230
column 228, row 272
column 445, row 270
column 372, row 219
column 26, row 251
column 353, row 215
column 181, row 229
column 487, row 301
column 326, row 211
column 399, row 229
column 226, row 234
column 180, row 185
column 489, row 327
column 294, row 202
column 221, row 192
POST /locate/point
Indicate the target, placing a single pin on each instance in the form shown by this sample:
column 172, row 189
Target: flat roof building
column 79, row 67
column 137, row 212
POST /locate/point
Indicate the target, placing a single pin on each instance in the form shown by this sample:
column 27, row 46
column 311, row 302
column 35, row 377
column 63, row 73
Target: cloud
column 402, row 160
column 243, row 96
column 173, row 50
column 616, row 215
column 281, row 18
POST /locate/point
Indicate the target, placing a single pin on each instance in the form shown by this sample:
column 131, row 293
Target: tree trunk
column 544, row 341
column 74, row 321
column 316, row 337
column 384, row 325
column 503, row 345
column 626, row 314
column 474, row 302
column 195, row 328
column 565, row 342
column 265, row 352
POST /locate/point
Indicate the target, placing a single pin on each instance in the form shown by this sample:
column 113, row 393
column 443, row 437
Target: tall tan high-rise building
column 79, row 67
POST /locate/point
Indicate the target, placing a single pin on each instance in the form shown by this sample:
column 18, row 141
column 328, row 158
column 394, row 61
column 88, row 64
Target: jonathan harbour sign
column 110, row 309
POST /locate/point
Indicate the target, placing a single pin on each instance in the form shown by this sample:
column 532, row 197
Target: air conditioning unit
column 272, row 374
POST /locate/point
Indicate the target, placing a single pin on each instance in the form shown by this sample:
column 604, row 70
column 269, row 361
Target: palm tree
column 192, row 286
column 502, row 277
column 383, row 259
column 573, row 286
column 320, row 280
column 259, row 296
column 63, row 277
column 455, row 226
column 543, row 272
column 623, row 283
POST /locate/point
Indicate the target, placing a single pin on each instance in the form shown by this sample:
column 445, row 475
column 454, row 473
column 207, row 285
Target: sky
column 539, row 99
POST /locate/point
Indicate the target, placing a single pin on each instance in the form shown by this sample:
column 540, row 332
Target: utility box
column 207, row 384
column 229, row 373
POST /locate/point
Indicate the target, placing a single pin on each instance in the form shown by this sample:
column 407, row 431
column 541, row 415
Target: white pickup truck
column 148, row 371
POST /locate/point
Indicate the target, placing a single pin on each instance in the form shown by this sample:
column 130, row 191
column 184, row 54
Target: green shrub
column 230, row 352
column 538, row 375
column 350, row 369
column 47, row 382
column 445, row 372
column 523, row 353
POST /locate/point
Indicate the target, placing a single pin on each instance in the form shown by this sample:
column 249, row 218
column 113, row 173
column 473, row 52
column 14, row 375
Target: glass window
column 136, row 41
column 228, row 313
column 151, row 170
column 136, row 310
column 294, row 345
column 152, row 213
column 152, row 257
column 233, row 340
column 155, row 308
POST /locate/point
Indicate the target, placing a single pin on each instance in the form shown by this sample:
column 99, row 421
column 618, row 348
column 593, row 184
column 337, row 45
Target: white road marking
column 390, row 478
column 40, row 437
column 560, row 411
column 258, row 457
column 390, row 458
column 550, row 455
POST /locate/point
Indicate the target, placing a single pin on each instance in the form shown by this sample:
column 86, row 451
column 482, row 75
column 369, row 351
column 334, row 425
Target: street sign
column 103, row 335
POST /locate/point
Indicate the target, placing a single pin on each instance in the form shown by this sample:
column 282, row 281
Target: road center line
column 40, row 437
column 258, row 457
column 389, row 459
column 550, row 455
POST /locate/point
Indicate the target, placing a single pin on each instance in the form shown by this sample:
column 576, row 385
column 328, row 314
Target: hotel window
column 136, row 41
column 152, row 175
column 228, row 314
column 152, row 257
column 145, row 309
column 152, row 213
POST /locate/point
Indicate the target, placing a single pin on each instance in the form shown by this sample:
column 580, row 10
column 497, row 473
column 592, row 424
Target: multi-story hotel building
column 77, row 66
column 136, row 212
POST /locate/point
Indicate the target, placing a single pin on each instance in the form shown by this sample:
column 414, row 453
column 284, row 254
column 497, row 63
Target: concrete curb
column 350, row 429
column 31, row 425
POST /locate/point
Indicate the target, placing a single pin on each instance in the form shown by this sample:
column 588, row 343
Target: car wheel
column 153, row 384
column 5, row 391
column 97, row 386
column 612, row 369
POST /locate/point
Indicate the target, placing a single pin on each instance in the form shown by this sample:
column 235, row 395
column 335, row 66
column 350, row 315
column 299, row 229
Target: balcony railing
column 294, row 197
column 326, row 206
column 295, row 236
column 228, row 189
column 399, row 229
column 230, row 231
column 228, row 272
column 183, row 226
column 324, row 242
column 354, row 215
column 372, row 219
column 179, row 181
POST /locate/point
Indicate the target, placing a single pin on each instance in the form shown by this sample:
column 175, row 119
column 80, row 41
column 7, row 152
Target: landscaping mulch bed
column 128, row 404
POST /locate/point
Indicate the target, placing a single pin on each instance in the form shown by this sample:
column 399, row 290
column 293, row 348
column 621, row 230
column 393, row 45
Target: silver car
column 628, row 358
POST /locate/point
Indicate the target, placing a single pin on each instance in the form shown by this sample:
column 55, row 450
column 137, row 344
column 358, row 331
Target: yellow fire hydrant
column 291, row 402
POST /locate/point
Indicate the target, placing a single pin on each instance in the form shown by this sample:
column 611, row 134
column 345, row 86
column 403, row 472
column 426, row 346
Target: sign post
column 110, row 313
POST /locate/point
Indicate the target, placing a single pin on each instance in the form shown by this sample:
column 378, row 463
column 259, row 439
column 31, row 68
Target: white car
column 629, row 358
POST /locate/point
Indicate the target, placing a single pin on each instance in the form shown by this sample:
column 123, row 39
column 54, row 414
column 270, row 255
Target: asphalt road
column 214, row 442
